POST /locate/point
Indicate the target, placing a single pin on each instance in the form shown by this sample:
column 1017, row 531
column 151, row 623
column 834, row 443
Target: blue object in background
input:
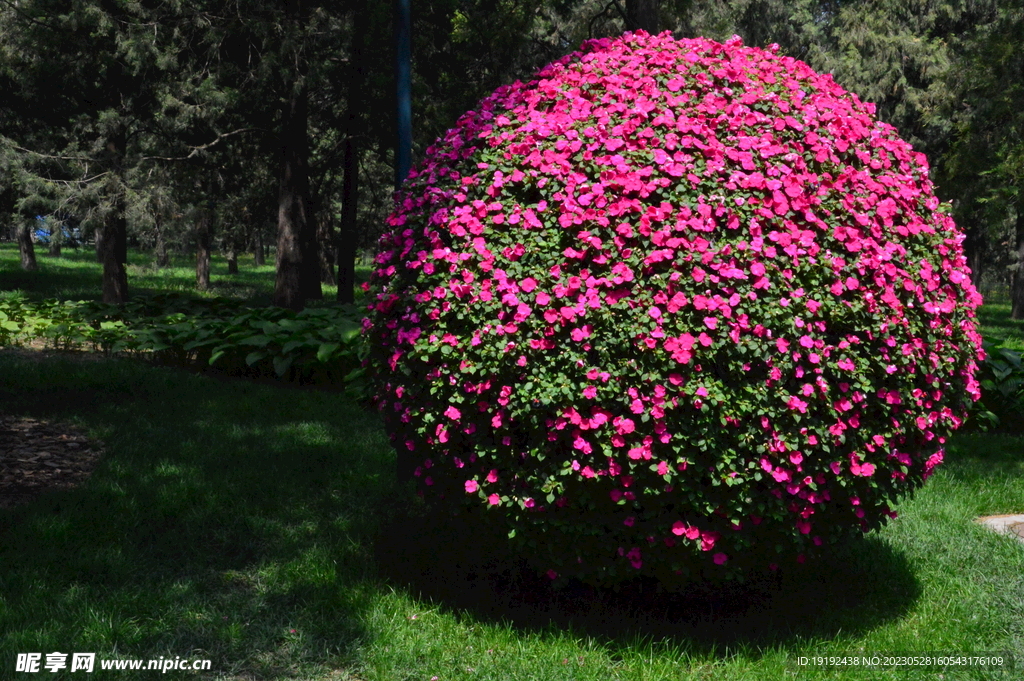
column 72, row 236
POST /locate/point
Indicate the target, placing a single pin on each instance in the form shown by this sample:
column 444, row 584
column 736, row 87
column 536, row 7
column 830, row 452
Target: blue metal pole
column 403, row 84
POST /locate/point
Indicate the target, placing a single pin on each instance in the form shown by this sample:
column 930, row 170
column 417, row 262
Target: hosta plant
column 672, row 307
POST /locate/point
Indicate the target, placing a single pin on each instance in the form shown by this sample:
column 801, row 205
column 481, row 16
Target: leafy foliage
column 1002, row 390
column 672, row 307
column 315, row 346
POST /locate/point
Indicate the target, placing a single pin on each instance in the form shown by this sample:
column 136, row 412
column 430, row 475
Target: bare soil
column 39, row 455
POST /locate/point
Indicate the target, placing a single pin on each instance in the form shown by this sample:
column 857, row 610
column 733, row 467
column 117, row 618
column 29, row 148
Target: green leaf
column 254, row 357
column 282, row 364
column 326, row 350
column 262, row 340
column 354, row 374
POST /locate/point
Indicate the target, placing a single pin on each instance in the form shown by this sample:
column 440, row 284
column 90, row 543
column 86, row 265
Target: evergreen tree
column 987, row 156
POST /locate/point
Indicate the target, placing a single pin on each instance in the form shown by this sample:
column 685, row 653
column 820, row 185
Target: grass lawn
column 259, row 527
column 76, row 275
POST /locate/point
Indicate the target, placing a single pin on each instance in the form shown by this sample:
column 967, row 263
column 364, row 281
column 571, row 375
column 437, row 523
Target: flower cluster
column 672, row 305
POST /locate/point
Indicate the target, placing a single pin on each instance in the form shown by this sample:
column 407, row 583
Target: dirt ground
column 38, row 455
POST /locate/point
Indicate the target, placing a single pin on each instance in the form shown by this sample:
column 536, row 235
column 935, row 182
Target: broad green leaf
column 261, row 341
column 326, row 350
column 282, row 364
column 254, row 357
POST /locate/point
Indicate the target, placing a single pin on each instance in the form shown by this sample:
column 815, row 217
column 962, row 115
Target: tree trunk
column 974, row 249
column 311, row 284
column 326, row 245
column 112, row 244
column 28, row 251
column 259, row 256
column 348, row 231
column 1017, row 282
column 346, row 248
column 162, row 259
column 643, row 15
column 203, row 238
column 114, row 256
column 298, row 277
column 232, row 256
column 55, row 238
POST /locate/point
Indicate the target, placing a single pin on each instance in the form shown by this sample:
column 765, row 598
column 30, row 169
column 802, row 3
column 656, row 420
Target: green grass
column 258, row 527
column 997, row 325
column 76, row 275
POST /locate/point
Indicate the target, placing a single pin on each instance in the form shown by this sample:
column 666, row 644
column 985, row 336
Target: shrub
column 672, row 307
column 1002, row 391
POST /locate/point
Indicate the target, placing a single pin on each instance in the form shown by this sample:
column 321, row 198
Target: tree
column 988, row 148
column 25, row 247
column 347, row 233
column 78, row 81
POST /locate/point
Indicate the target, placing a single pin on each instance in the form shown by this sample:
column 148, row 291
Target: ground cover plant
column 314, row 346
column 672, row 308
column 232, row 333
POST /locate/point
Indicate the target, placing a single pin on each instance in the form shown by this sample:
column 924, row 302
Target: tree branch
column 203, row 147
column 14, row 7
column 55, row 158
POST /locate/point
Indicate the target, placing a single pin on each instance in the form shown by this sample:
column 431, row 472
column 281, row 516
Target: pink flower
column 528, row 284
column 862, row 469
column 720, row 558
column 711, row 322
column 453, row 413
column 590, row 392
column 623, row 425
column 471, row 486
column 580, row 333
column 492, row 476
column 796, row 403
column 494, row 500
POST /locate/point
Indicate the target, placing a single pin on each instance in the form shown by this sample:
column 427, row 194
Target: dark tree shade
column 643, row 15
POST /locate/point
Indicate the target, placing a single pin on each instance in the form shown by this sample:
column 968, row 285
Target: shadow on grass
column 225, row 521
column 254, row 526
column 861, row 587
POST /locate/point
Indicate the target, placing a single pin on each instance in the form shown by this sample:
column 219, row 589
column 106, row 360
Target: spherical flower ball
column 672, row 306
